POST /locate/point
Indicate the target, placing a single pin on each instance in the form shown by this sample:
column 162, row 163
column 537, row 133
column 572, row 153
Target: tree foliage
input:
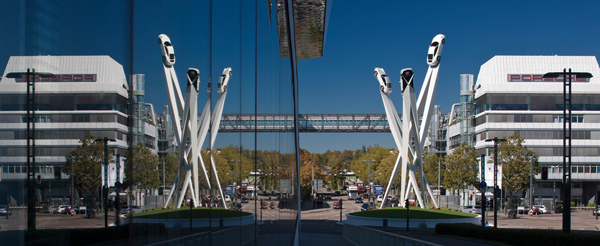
column 516, row 159
column 145, row 168
column 434, row 166
column 461, row 168
column 87, row 161
column 171, row 166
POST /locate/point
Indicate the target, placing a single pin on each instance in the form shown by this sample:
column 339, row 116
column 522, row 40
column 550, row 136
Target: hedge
column 517, row 236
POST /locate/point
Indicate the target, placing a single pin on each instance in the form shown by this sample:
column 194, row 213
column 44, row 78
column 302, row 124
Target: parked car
column 5, row 209
column 328, row 196
column 364, row 207
column 595, row 211
column 472, row 209
column 272, row 205
column 337, row 205
column 227, row 198
column 263, row 205
column 133, row 209
column 337, row 193
column 79, row 209
column 62, row 209
column 380, row 198
column 411, row 202
column 541, row 208
column 244, row 200
column 523, row 210
column 359, row 200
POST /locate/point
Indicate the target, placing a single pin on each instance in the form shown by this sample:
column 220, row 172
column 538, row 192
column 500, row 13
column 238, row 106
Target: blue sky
column 360, row 35
column 395, row 35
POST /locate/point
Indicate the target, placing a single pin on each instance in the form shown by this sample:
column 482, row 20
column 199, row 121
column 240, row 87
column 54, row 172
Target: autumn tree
column 516, row 160
column 462, row 168
column 433, row 166
column 87, row 161
column 170, row 162
column 145, row 168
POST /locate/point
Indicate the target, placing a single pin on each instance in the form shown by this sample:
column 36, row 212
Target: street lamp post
column 369, row 180
column 105, row 140
column 566, row 184
column 496, row 140
column 30, row 135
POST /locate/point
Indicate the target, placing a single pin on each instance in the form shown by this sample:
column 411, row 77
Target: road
column 314, row 220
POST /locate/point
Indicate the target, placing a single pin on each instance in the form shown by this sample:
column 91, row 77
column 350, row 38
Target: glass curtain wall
column 246, row 194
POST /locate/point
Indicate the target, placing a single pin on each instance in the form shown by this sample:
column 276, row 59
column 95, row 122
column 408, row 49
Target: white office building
column 84, row 94
column 512, row 96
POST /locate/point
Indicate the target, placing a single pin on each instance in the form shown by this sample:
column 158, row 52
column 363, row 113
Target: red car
column 337, row 205
column 263, row 205
column 272, row 205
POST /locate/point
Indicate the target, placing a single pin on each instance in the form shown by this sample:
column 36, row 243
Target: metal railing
column 359, row 235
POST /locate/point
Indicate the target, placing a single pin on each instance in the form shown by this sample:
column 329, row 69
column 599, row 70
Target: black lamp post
column 496, row 140
column 30, row 104
column 105, row 187
column 566, row 184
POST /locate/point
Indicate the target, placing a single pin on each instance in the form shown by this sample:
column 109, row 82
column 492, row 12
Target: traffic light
column 57, row 173
column 544, row 173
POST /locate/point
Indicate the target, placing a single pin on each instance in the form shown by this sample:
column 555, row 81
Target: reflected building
column 92, row 93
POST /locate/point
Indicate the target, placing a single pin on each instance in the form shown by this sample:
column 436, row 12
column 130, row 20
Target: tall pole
column 566, row 185
column 30, row 150
column 369, row 180
column 483, row 187
column 164, row 179
column 72, row 185
column 312, row 181
column 531, row 184
column 496, row 140
column 105, row 187
column 439, row 179
column 566, row 182
column 105, row 190
column 495, row 182
column 118, row 190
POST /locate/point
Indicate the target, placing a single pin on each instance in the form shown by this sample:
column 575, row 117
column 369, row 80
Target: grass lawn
column 415, row 213
column 184, row 213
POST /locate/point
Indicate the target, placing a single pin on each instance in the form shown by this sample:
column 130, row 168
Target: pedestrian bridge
column 307, row 123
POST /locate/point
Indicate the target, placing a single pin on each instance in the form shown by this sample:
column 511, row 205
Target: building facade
column 512, row 96
column 85, row 94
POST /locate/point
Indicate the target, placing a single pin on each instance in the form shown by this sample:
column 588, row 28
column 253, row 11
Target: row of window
column 542, row 118
column 540, row 134
column 62, row 134
column 23, row 169
column 576, row 169
column 575, row 151
column 62, row 102
column 39, row 151
column 580, row 102
column 64, row 118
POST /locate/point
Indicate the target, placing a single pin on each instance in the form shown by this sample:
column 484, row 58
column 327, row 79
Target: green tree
column 434, row 166
column 171, row 167
column 462, row 168
column 516, row 159
column 87, row 161
column 145, row 168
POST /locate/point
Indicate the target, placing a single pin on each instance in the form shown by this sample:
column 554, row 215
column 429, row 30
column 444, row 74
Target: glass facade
column 116, row 42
